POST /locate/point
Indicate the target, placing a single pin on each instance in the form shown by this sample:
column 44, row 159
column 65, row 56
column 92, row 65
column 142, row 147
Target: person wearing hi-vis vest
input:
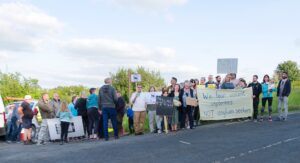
column 139, row 99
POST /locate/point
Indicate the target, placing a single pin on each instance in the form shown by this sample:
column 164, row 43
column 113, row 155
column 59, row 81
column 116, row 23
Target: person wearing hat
column 26, row 115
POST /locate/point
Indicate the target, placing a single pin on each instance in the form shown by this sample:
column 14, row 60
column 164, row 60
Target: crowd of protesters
column 97, row 109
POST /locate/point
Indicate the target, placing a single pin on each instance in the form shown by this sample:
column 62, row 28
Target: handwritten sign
column 191, row 101
column 75, row 128
column 227, row 65
column 164, row 105
column 225, row 104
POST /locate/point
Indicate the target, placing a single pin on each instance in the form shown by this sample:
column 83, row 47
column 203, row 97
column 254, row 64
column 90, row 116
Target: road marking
column 184, row 142
column 258, row 149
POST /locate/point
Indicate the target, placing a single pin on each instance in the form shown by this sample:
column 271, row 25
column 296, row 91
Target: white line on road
column 260, row 149
column 184, row 142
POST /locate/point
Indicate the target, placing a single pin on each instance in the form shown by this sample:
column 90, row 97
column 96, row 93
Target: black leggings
column 64, row 130
column 264, row 101
column 93, row 115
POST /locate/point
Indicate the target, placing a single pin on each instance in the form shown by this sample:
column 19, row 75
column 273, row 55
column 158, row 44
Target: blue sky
column 80, row 42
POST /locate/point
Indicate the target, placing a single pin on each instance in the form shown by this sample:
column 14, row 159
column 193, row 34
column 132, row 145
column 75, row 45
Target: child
column 130, row 119
column 64, row 116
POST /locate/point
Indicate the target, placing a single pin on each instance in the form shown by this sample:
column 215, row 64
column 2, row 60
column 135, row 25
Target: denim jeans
column 283, row 101
column 110, row 113
column 12, row 130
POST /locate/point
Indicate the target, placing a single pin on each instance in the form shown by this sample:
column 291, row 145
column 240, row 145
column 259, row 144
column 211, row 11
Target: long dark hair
column 264, row 78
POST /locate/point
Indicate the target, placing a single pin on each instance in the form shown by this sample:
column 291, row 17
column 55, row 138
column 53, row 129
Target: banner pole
column 166, row 124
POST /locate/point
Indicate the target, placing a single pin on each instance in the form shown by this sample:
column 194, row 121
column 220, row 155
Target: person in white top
column 151, row 108
column 139, row 101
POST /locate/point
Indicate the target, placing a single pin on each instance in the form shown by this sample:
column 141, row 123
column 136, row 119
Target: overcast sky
column 80, row 42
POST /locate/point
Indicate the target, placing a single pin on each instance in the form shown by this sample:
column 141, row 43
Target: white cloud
column 118, row 50
column 156, row 5
column 24, row 27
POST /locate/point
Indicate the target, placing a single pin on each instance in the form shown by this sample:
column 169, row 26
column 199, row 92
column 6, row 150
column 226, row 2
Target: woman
column 195, row 110
column 186, row 109
column 267, row 91
column 64, row 116
column 242, row 84
column 226, row 83
column 151, row 108
column 72, row 108
column 177, row 105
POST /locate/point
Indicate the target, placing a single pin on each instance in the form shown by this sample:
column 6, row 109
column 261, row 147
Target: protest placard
column 225, row 104
column 75, row 128
column 191, row 101
column 164, row 105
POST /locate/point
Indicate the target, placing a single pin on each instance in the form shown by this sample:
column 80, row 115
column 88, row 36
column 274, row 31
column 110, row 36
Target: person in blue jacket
column 72, row 108
column 65, row 116
column 267, row 90
column 130, row 119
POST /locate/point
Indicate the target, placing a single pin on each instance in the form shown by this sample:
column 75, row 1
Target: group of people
column 97, row 109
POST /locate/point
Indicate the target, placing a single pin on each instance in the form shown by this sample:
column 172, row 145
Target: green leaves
column 291, row 67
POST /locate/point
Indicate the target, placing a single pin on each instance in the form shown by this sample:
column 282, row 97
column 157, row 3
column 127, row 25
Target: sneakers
column 159, row 131
column 255, row 120
column 61, row 143
column 270, row 119
column 261, row 119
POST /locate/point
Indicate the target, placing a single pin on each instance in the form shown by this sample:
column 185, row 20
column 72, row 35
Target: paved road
column 222, row 142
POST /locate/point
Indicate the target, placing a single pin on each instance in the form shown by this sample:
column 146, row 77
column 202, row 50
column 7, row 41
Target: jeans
column 93, row 116
column 283, row 101
column 255, row 107
column 264, row 101
column 187, row 112
column 112, row 114
column 64, row 130
column 12, row 128
column 152, row 116
column 44, row 132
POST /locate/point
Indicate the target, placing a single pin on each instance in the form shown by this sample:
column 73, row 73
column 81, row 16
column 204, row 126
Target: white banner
column 218, row 104
column 75, row 128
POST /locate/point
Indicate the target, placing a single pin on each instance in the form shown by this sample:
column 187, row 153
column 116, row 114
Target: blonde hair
column 64, row 107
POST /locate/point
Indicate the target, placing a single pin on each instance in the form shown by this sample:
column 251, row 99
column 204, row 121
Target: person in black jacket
column 283, row 92
column 257, row 89
column 121, row 104
column 186, row 109
column 82, row 111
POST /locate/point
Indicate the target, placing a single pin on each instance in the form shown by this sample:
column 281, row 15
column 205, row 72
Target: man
column 121, row 104
column 55, row 104
column 47, row 113
column 234, row 80
column 210, row 82
column 107, row 102
column 82, row 111
column 139, row 99
column 218, row 82
column 173, row 83
column 283, row 92
column 257, row 89
column 26, row 115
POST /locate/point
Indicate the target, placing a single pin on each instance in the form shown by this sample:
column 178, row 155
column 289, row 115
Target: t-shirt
column 27, row 111
column 140, row 102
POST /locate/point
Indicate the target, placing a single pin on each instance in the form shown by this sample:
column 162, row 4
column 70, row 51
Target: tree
column 291, row 67
column 149, row 78
column 66, row 92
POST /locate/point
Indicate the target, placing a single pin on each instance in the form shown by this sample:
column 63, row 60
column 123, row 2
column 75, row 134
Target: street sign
column 136, row 78
column 227, row 65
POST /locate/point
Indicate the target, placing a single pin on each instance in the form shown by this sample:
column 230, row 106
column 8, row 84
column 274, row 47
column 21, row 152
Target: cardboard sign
column 227, row 65
column 191, row 101
column 164, row 106
column 75, row 128
column 225, row 104
column 136, row 78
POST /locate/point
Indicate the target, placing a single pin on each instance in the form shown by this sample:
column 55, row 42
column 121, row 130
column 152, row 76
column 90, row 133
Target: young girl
column 64, row 116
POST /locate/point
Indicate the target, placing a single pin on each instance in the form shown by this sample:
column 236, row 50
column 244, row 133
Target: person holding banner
column 151, row 108
column 210, row 83
column 226, row 83
column 139, row 101
column 267, row 92
column 218, row 82
column 256, row 87
column 177, row 105
column 185, row 93
column 234, row 80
